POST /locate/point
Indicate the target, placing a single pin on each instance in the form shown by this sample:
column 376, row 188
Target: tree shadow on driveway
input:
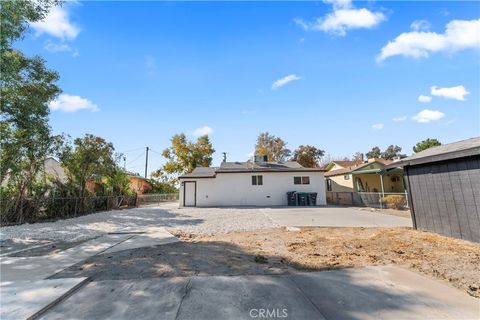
column 221, row 280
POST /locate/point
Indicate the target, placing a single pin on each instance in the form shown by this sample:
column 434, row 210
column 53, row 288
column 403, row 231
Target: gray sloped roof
column 459, row 149
column 201, row 172
column 237, row 167
column 249, row 166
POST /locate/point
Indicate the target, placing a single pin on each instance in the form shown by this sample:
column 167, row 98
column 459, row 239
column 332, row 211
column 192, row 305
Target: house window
column 257, row 180
column 329, row 185
column 301, row 180
column 346, row 177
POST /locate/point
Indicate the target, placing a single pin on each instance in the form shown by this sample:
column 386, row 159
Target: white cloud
column 57, row 24
column 283, row 81
column 69, row 103
column 343, row 18
column 377, row 126
column 420, row 25
column 202, row 131
column 60, row 47
column 400, row 119
column 458, row 35
column 457, row 93
column 427, row 115
column 424, row 99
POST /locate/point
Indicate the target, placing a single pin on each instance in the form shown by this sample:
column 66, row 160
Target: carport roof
column 459, row 149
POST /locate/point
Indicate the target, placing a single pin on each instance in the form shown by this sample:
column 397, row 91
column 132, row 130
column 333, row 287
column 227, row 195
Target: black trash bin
column 312, row 198
column 302, row 198
column 291, row 198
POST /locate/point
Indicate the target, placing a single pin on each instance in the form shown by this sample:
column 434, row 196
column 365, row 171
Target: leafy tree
column 162, row 183
column 308, row 156
column 117, row 182
column 183, row 155
column 392, row 152
column 374, row 153
column 91, row 158
column 271, row 146
column 425, row 144
column 26, row 88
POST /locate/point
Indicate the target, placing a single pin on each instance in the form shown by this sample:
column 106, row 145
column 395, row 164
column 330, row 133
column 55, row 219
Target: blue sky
column 338, row 75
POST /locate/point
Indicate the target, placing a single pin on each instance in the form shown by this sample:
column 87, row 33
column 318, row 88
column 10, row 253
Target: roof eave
column 436, row 158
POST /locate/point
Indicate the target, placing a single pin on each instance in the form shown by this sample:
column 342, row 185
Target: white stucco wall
column 236, row 189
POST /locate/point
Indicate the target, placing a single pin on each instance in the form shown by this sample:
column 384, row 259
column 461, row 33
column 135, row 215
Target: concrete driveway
column 382, row 292
column 333, row 217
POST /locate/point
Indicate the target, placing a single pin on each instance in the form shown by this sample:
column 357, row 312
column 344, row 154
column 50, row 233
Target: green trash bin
column 302, row 198
column 292, row 198
column 312, row 198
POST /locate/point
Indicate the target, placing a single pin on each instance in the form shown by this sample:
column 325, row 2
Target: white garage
column 250, row 184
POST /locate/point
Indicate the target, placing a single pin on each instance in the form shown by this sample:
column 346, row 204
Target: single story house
column 139, row 184
column 444, row 189
column 362, row 182
column 251, row 183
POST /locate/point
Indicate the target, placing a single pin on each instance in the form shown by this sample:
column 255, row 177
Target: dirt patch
column 181, row 259
column 455, row 261
column 279, row 251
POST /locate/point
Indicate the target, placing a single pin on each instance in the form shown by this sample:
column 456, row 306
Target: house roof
column 355, row 167
column 459, row 149
column 348, row 163
column 239, row 167
column 201, row 172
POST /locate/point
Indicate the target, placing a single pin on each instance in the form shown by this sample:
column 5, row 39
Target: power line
column 131, row 150
column 138, row 157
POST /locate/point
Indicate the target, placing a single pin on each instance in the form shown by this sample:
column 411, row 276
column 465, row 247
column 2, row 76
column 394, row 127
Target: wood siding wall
column 445, row 197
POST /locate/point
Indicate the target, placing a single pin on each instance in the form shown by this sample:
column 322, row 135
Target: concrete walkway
column 25, row 290
column 27, row 299
column 333, row 217
column 41, row 267
column 382, row 292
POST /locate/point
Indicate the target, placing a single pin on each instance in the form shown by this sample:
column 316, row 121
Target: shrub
column 394, row 201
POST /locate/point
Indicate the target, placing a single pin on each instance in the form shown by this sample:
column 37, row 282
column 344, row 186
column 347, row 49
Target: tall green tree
column 271, row 146
column 425, row 144
column 26, row 88
column 391, row 152
column 374, row 153
column 308, row 156
column 183, row 155
column 89, row 158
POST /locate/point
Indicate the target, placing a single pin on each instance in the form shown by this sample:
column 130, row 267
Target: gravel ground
column 197, row 221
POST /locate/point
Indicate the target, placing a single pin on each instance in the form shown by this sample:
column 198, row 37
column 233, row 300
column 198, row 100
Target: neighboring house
column 256, row 183
column 444, row 189
column 53, row 169
column 362, row 182
column 140, row 185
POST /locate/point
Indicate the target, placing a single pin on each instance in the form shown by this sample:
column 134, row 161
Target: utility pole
column 124, row 163
column 146, row 163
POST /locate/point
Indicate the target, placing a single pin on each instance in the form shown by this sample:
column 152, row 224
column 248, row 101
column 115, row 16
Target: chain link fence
column 156, row 198
column 17, row 211
column 369, row 199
